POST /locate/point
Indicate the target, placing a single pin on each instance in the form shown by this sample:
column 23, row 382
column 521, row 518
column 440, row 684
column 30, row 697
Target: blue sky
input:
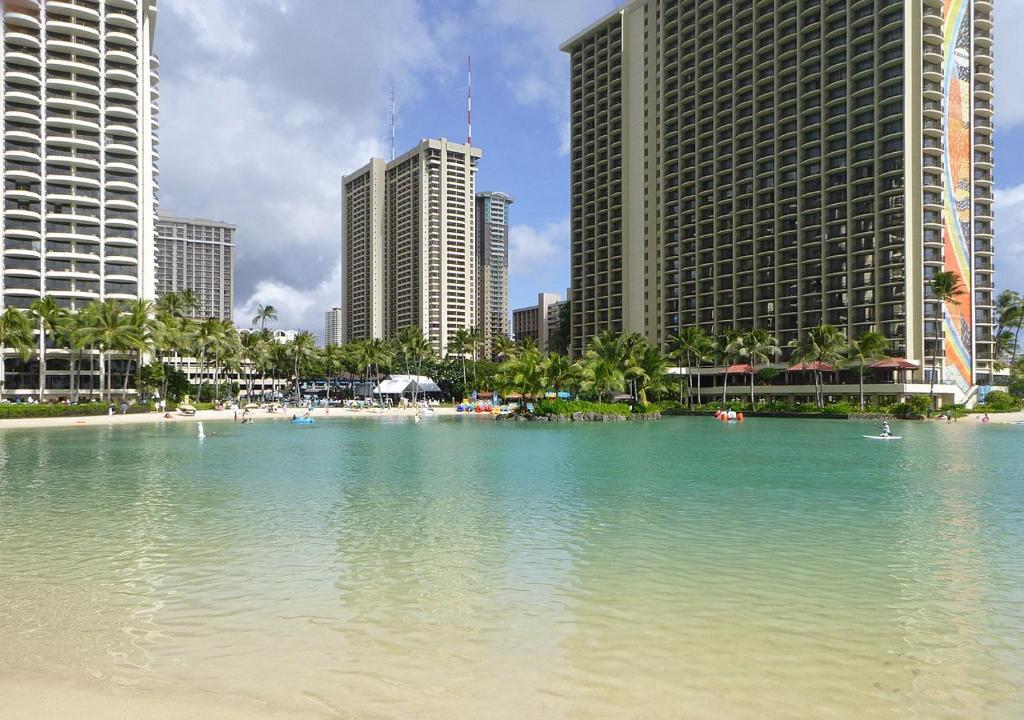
column 266, row 103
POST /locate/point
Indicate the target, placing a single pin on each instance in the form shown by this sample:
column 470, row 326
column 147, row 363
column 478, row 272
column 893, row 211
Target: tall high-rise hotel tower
column 79, row 117
column 79, row 109
column 784, row 163
column 408, row 248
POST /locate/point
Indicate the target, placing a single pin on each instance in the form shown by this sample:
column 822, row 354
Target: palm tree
column 869, row 346
column 729, row 344
column 145, row 329
column 504, row 347
column 264, row 313
column 189, row 302
column 49, row 318
column 334, row 359
column 605, row 363
column 107, row 329
column 561, row 372
column 461, row 343
column 376, row 353
column 821, row 345
column 302, row 349
column 759, row 347
column 171, row 305
column 648, row 371
column 947, row 288
column 526, row 374
column 688, row 345
column 524, row 343
column 16, row 334
column 415, row 348
column 1009, row 313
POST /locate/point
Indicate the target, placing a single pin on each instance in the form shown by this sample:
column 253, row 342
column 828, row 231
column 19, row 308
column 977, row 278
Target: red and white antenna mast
column 392, row 122
column 469, row 100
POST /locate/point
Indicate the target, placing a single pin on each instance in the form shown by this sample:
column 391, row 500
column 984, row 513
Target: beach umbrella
column 739, row 369
column 811, row 366
column 894, row 364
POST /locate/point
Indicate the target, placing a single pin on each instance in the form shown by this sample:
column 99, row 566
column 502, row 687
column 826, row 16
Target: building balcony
column 122, row 20
column 68, row 178
column 72, row 123
column 72, row 46
column 27, row 219
column 73, row 9
column 21, row 156
column 122, row 186
column 123, row 112
column 88, row 30
column 80, row 141
column 23, row 171
column 119, row 93
column 26, row 80
column 119, row 38
column 76, row 103
column 24, row 136
column 22, row 59
column 72, row 66
column 20, row 97
column 121, row 75
column 20, row 32
column 90, row 89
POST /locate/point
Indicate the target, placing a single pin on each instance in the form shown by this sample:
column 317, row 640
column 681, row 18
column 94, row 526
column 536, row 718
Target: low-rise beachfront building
column 246, row 376
column 538, row 321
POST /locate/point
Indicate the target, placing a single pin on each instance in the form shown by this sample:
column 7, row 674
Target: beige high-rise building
column 79, row 112
column 408, row 244
column 492, row 224
column 198, row 255
column 538, row 321
column 334, row 323
column 785, row 163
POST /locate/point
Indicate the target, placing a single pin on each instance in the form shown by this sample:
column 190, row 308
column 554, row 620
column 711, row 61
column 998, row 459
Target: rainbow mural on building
column 959, row 190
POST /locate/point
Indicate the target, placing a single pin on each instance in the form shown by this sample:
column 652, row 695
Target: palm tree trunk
column 102, row 373
column 860, row 375
column 700, row 397
column 3, row 371
column 463, row 377
column 725, row 386
column 1016, row 336
column 751, row 389
column 127, row 374
column 42, row 361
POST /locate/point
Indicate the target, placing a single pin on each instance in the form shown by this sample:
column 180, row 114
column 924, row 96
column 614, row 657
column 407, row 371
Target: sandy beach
column 208, row 415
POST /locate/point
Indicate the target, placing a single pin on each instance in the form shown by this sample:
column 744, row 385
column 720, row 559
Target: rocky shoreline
column 578, row 417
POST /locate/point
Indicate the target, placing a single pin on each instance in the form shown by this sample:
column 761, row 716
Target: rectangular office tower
column 492, row 210
column 785, row 163
column 79, row 108
column 198, row 255
column 408, row 244
column 334, row 327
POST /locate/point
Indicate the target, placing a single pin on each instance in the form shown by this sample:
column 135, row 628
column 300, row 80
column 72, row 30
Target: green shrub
column 1000, row 401
column 568, row 407
column 12, row 411
column 841, row 408
column 916, row 405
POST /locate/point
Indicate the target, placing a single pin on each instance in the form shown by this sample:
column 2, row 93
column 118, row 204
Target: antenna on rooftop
column 392, row 122
column 469, row 100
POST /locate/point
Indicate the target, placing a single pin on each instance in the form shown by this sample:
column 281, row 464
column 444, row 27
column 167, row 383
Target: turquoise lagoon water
column 461, row 568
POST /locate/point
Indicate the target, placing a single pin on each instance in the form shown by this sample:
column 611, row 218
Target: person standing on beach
column 124, row 408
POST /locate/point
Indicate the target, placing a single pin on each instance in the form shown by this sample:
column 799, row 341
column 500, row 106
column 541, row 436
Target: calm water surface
column 462, row 568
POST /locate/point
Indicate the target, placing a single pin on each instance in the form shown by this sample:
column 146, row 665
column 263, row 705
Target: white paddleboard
column 884, row 437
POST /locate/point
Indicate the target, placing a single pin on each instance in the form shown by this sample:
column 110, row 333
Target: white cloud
column 297, row 308
column 531, row 32
column 539, row 257
column 265, row 104
column 1009, row 211
column 1008, row 26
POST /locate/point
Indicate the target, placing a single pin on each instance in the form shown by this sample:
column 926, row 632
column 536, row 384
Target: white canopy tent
column 406, row 385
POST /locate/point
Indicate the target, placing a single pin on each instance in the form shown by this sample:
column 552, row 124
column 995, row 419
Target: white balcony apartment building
column 79, row 109
column 408, row 244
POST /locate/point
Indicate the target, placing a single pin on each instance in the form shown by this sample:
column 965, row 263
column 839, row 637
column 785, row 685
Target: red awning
column 739, row 369
column 811, row 367
column 895, row 364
